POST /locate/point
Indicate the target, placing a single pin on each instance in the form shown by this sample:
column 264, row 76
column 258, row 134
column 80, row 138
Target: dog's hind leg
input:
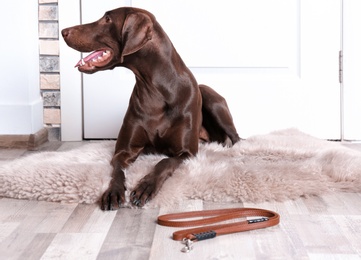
column 217, row 119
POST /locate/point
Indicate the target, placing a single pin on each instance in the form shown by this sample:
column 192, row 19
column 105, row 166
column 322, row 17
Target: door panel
column 275, row 62
column 241, row 34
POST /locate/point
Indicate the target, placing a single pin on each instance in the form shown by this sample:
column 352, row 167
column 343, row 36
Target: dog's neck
column 161, row 73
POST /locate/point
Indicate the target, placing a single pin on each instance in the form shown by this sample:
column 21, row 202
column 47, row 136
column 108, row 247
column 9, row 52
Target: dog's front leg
column 149, row 185
column 114, row 196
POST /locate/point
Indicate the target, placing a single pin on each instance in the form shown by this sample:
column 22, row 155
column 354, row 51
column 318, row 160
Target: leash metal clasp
column 196, row 237
column 188, row 245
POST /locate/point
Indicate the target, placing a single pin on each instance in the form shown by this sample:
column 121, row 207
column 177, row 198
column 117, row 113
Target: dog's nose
column 65, row 33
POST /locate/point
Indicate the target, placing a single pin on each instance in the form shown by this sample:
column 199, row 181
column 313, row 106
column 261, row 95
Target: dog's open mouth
column 96, row 59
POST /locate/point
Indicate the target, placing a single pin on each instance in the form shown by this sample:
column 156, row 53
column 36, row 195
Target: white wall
column 21, row 106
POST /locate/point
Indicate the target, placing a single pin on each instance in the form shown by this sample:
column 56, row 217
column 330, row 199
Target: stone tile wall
column 49, row 65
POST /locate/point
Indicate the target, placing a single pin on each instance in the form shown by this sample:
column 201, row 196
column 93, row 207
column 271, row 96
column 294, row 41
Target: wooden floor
column 327, row 227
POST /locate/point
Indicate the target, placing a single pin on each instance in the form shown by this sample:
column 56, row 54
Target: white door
column 276, row 62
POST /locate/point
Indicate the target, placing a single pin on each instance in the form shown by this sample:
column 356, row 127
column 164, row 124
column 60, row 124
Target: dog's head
column 120, row 32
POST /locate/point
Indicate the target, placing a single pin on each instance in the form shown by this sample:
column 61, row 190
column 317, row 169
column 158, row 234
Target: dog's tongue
column 93, row 55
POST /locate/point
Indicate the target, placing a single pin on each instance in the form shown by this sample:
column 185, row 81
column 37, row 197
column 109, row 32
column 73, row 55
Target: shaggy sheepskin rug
column 282, row 165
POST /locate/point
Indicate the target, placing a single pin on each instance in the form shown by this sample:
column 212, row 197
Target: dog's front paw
column 143, row 193
column 113, row 198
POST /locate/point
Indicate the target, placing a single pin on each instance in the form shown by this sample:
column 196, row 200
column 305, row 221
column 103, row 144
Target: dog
column 168, row 112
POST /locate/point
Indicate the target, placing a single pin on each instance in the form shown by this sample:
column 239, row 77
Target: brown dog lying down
column 168, row 111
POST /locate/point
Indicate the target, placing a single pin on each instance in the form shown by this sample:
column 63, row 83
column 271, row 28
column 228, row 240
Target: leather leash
column 206, row 217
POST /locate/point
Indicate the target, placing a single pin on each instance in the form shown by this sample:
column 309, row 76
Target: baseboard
column 30, row 141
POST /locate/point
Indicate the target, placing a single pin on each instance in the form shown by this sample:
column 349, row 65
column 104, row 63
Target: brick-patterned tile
column 49, row 81
column 49, row 47
column 52, row 116
column 49, row 64
column 47, row 1
column 48, row 12
column 49, row 30
column 51, row 98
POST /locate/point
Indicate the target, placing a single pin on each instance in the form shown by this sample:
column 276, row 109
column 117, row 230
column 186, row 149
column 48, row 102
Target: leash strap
column 266, row 218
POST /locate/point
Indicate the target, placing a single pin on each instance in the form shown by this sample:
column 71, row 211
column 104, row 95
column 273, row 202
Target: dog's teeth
column 82, row 62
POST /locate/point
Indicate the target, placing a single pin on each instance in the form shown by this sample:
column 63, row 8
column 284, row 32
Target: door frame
column 70, row 78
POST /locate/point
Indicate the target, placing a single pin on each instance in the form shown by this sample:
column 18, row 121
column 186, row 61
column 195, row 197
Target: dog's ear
column 137, row 31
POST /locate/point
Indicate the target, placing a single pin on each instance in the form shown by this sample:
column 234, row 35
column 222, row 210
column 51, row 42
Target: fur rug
column 282, row 165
